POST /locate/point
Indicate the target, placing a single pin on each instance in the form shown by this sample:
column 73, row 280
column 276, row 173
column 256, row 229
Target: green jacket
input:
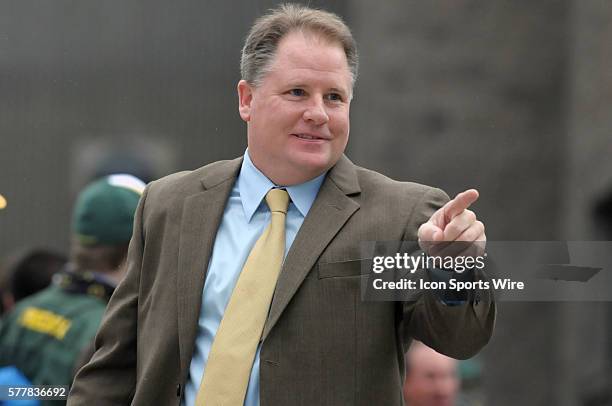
column 45, row 334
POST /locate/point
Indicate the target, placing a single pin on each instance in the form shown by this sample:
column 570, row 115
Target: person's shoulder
column 372, row 182
column 41, row 297
column 43, row 300
column 179, row 185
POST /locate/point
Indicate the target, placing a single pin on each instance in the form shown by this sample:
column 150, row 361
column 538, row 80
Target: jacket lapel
column 202, row 214
column 331, row 209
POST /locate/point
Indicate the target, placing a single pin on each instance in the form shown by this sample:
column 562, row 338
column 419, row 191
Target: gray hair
column 267, row 31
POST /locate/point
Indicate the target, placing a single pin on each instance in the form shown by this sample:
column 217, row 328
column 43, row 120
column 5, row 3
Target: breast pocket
column 344, row 269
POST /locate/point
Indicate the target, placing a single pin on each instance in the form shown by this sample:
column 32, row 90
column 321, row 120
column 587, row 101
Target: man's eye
column 297, row 92
column 334, row 97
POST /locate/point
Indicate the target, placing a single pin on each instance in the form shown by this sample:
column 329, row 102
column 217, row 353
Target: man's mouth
column 309, row 137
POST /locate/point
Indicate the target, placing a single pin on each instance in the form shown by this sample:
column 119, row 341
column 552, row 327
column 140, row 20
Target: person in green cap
column 47, row 335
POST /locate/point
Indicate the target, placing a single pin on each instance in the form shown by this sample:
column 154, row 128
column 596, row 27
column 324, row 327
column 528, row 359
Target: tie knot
column 278, row 200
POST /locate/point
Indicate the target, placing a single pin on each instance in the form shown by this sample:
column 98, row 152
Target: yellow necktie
column 230, row 360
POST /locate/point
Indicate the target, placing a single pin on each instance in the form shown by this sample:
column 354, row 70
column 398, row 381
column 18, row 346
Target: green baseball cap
column 104, row 210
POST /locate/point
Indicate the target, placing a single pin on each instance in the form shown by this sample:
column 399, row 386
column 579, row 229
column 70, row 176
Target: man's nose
column 315, row 112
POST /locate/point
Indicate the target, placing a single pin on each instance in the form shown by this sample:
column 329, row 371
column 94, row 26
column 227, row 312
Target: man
column 193, row 323
column 431, row 378
column 45, row 334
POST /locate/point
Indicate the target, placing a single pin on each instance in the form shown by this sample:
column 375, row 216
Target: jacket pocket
column 355, row 267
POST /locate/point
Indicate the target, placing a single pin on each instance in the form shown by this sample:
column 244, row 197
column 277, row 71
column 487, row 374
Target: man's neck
column 284, row 176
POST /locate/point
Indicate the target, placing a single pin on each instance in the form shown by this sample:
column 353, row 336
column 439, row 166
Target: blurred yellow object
column 2, row 202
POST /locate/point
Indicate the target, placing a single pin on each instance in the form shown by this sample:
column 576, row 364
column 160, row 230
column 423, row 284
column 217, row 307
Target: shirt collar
column 253, row 186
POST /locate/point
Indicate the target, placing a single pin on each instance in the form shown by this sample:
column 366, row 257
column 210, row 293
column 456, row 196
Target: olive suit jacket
column 321, row 344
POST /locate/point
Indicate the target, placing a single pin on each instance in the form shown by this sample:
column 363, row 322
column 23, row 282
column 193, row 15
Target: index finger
column 461, row 202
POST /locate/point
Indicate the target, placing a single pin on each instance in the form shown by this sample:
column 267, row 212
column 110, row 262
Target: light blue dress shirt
column 244, row 219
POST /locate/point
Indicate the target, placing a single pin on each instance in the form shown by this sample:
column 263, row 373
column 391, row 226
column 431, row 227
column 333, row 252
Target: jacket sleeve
column 109, row 378
column 458, row 331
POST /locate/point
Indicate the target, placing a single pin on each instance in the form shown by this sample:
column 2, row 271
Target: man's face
column 298, row 117
column 432, row 379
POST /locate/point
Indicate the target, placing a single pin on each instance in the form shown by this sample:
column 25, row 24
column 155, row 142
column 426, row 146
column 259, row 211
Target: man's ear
column 245, row 97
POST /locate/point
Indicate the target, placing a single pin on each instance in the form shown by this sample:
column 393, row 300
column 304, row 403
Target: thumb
column 429, row 232
column 430, row 236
